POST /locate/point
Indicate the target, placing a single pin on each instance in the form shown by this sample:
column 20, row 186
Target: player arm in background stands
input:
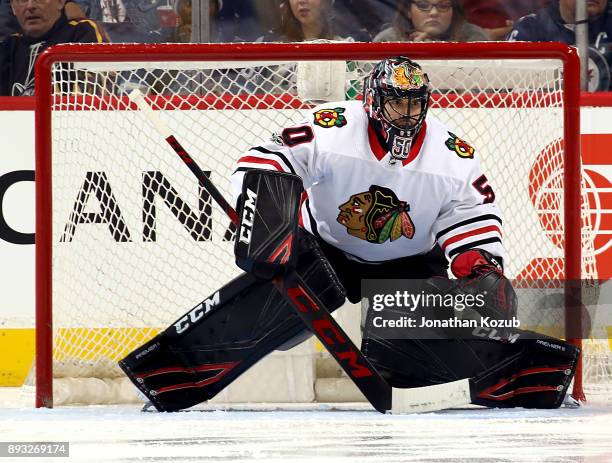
column 87, row 31
column 525, row 29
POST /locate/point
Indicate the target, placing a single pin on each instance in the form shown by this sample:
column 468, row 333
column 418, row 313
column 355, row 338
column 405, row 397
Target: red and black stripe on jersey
column 263, row 158
column 470, row 233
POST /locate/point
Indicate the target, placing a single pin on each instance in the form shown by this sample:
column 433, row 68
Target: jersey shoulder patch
column 459, row 146
column 337, row 114
column 330, row 117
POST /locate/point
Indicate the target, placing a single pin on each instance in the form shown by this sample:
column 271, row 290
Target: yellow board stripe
column 16, row 355
column 109, row 343
column 17, row 347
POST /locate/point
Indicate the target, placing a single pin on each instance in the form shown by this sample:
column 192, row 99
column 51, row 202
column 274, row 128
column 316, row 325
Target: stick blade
column 431, row 398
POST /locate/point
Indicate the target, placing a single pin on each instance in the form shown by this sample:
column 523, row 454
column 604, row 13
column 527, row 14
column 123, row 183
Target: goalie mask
column 396, row 97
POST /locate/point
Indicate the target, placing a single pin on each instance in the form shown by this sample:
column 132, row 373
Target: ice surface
column 471, row 435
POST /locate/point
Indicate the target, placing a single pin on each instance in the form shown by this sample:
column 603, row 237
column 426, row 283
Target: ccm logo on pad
column 197, row 312
column 248, row 217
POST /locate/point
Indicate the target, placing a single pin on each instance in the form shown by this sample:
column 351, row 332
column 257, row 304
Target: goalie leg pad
column 218, row 340
column 538, row 376
column 269, row 207
column 534, row 371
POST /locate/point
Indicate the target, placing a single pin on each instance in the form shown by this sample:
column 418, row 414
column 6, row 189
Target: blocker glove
column 479, row 272
column 475, row 262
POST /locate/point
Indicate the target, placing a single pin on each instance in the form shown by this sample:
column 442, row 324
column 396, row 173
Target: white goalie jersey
column 358, row 201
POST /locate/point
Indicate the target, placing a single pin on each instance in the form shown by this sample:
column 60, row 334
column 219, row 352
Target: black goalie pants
column 350, row 272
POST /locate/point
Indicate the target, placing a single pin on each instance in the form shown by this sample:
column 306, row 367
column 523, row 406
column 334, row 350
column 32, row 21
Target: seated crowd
column 29, row 26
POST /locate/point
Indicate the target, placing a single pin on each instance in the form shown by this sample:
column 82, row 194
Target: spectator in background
column 183, row 21
column 496, row 17
column 424, row 20
column 43, row 23
column 556, row 23
column 182, row 10
column 9, row 24
column 302, row 20
column 143, row 21
column 306, row 20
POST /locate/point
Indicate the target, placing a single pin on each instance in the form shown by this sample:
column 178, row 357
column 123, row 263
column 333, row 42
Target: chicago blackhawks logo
column 407, row 77
column 376, row 215
column 330, row 118
column 460, row 146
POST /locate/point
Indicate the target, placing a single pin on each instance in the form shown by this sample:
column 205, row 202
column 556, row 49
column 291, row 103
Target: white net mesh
column 136, row 241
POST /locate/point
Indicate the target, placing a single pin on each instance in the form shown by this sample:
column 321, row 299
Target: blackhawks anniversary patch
column 330, row 118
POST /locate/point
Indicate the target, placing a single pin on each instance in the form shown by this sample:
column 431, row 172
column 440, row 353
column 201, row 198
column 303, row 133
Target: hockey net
column 127, row 241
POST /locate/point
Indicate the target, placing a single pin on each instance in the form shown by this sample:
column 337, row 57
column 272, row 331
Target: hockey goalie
column 371, row 189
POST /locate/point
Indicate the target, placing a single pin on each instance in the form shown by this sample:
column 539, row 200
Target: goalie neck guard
column 396, row 98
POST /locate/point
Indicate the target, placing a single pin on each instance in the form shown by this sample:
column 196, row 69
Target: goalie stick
column 318, row 320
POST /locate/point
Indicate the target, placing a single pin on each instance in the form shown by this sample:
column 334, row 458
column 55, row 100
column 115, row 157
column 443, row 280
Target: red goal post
column 50, row 98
